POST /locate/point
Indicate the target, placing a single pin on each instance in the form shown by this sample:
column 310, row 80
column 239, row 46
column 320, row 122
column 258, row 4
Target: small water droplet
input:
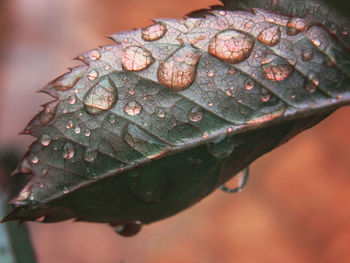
column 229, row 129
column 275, row 68
column 77, row 130
column 40, row 219
column 144, row 97
column 69, row 124
column 35, row 159
column 72, row 99
column 222, row 13
column 68, row 151
column 237, row 182
column 270, row 36
column 112, row 118
column 211, row 73
column 319, row 37
column 25, row 166
column 145, row 123
column 132, row 91
column 265, row 97
column 195, row 114
column 210, row 104
column 249, row 84
column 93, row 74
column 314, row 78
column 310, row 87
column 231, row 46
column 231, row 71
column 45, row 140
column 135, row 58
column 228, row 92
column 87, row 132
column 205, row 135
column 90, row 155
column 65, row 190
column 160, row 113
column 153, row 32
column 307, row 54
column 133, row 108
column 179, row 70
column 95, row 54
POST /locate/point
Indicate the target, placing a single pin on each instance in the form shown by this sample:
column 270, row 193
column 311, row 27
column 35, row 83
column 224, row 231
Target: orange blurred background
column 295, row 208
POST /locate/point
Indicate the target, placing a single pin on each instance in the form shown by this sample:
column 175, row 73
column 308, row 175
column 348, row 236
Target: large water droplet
column 68, row 151
column 90, row 155
column 275, row 68
column 221, row 148
column 45, row 140
column 237, row 183
column 135, row 58
column 153, row 32
column 179, row 71
column 231, row 46
column 101, row 97
column 270, row 36
column 133, row 108
column 195, row 114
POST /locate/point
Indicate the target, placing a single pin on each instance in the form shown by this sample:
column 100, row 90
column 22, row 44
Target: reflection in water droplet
column 35, row 159
column 160, row 113
column 45, row 140
column 95, row 54
column 72, row 99
column 210, row 104
column 222, row 13
column 211, row 73
column 275, row 68
column 41, row 186
column 270, row 36
column 153, row 32
column 237, row 183
column 92, row 75
column 249, row 84
column 69, row 124
column 307, row 54
column 179, row 70
column 135, row 58
column 133, row 108
column 112, row 118
column 195, row 114
column 231, row 46
column 68, row 151
column 77, row 130
column 90, row 155
column 101, row 97
column 229, row 129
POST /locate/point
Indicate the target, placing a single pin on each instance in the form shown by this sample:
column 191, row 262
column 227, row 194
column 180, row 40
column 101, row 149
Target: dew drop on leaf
column 87, row 132
column 179, row 70
column 135, row 58
column 77, row 130
column 93, row 74
column 25, row 167
column 275, row 68
column 195, row 114
column 153, row 32
column 160, row 113
column 249, row 84
column 65, row 190
column 133, row 108
column 265, row 97
column 112, row 118
column 35, row 159
column 94, row 54
column 45, row 140
column 90, row 155
column 231, row 46
column 314, row 78
column 68, row 151
column 307, row 55
column 270, row 36
column 69, row 124
column 72, row 99
column 211, row 73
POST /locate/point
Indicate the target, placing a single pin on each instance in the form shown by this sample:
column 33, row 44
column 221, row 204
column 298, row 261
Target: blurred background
column 295, row 208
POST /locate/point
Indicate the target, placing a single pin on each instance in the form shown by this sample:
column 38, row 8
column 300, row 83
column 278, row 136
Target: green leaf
column 154, row 123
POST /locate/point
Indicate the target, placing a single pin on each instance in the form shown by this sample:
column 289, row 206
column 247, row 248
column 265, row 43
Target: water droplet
column 92, row 75
column 248, row 26
column 211, row 73
column 101, row 97
column 229, row 129
column 95, row 54
column 87, row 132
column 222, row 13
column 112, row 118
column 129, row 229
column 160, row 113
column 132, row 91
column 205, row 135
column 266, row 97
column 65, row 190
column 41, row 186
column 68, row 151
column 307, row 54
column 275, row 68
column 249, row 84
column 270, row 36
column 135, row 58
column 210, row 104
column 295, row 25
column 133, row 108
column 90, row 155
column 144, row 97
column 69, row 124
column 319, row 37
column 24, row 194
column 228, row 92
column 195, row 114
column 310, row 87
column 72, row 99
column 231, row 46
column 237, row 183
column 45, row 140
column 40, row 219
column 179, row 71
column 77, row 130
column 145, row 123
column 44, row 172
column 231, row 71
column 314, row 78
column 153, row 32
column 35, row 159
column 25, row 166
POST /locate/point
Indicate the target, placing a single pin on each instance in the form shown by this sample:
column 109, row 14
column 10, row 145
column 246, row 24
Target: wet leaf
column 154, row 123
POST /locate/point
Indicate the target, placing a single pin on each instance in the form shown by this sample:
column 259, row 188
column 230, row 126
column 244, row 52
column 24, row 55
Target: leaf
column 154, row 123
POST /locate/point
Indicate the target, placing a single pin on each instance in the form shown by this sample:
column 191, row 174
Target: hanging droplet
column 45, row 140
column 211, row 73
column 275, row 68
column 231, row 46
column 92, row 75
column 133, row 108
column 90, row 155
column 153, row 32
column 87, row 132
column 68, row 151
column 270, row 36
column 179, row 70
column 35, row 159
column 195, row 114
column 129, row 229
column 77, row 130
column 249, row 84
column 307, row 54
column 160, row 113
column 24, row 194
column 237, row 183
column 101, row 97
column 112, row 118
column 135, row 58
column 69, row 124
column 72, row 99
column 95, row 54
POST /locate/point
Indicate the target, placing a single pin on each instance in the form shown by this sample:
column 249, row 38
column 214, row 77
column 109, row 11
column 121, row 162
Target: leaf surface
column 154, row 123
